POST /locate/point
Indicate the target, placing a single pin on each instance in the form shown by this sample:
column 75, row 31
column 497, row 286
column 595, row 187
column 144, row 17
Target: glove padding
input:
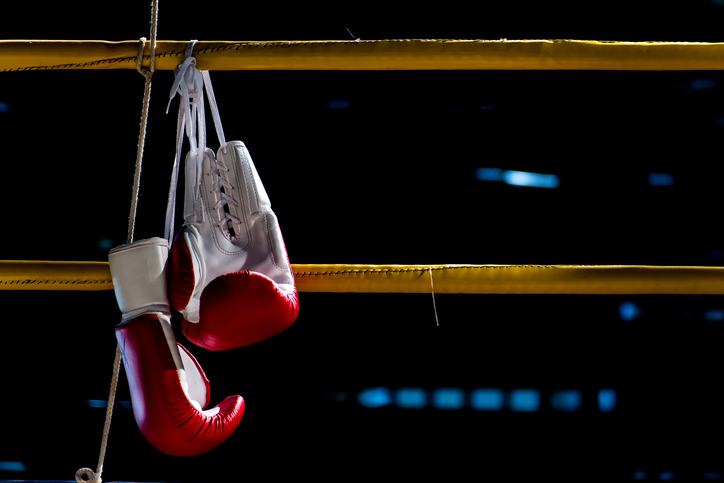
column 168, row 387
column 165, row 412
column 228, row 269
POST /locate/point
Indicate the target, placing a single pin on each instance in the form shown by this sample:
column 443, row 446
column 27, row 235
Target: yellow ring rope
column 452, row 279
column 410, row 54
column 19, row 55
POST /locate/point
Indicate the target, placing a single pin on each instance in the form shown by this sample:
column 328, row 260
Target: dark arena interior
column 388, row 167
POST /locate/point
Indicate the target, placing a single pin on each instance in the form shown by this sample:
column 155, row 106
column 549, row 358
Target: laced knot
column 222, row 187
column 189, row 83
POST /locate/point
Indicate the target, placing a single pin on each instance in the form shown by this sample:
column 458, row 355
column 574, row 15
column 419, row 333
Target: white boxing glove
column 228, row 268
column 168, row 387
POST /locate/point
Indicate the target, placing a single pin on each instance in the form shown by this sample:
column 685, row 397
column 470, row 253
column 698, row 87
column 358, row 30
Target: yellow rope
column 470, row 279
column 44, row 275
column 411, row 54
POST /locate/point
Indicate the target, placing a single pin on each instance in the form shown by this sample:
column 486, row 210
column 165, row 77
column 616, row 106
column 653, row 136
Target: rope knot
column 146, row 72
column 87, row 475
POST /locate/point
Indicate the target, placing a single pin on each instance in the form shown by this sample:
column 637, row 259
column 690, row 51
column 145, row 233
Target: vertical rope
column 86, row 475
column 147, row 73
column 109, row 411
column 432, row 288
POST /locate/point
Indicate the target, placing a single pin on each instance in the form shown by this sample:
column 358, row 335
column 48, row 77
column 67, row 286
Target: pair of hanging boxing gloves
column 227, row 271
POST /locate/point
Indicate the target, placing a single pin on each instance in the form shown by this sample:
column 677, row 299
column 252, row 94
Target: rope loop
column 87, row 475
column 146, row 72
column 432, row 290
column 190, row 48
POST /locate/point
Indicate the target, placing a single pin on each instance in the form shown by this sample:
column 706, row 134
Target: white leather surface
column 256, row 243
column 138, row 272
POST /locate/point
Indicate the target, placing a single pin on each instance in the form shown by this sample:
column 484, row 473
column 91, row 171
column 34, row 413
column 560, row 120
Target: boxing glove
column 169, row 390
column 228, row 268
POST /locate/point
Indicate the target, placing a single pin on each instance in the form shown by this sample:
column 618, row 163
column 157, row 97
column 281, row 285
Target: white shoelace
column 222, row 186
column 190, row 83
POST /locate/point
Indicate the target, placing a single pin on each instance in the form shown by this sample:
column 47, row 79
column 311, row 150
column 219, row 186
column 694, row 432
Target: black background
column 387, row 180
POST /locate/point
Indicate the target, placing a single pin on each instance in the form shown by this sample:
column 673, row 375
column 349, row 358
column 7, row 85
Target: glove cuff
column 138, row 271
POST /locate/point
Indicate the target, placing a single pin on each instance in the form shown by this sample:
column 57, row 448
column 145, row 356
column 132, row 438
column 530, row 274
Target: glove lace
column 223, row 207
column 190, row 83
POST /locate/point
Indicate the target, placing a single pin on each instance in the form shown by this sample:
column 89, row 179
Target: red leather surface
column 181, row 279
column 239, row 309
column 163, row 413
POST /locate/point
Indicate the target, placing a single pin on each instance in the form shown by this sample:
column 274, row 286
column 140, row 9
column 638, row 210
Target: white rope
column 214, row 109
column 432, row 288
column 86, row 475
column 147, row 73
column 190, row 83
column 187, row 83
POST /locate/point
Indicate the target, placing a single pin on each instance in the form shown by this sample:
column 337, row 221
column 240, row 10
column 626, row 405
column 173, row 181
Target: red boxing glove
column 228, row 268
column 168, row 387
column 166, row 414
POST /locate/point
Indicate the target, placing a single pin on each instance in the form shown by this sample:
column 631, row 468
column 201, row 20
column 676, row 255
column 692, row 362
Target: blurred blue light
column 448, row 398
column 640, row 475
column 411, row 397
column 454, row 106
column 701, row 84
column 13, row 466
column 338, row 104
column 375, row 397
column 489, row 174
column 534, row 180
column 488, row 107
column 102, row 403
column 525, row 400
column 518, row 178
column 714, row 315
column 568, row 401
column 661, row 179
column 712, row 476
column 4, row 107
column 487, row 399
column 698, row 84
column 666, row 476
column 607, row 400
column 105, row 243
column 629, row 311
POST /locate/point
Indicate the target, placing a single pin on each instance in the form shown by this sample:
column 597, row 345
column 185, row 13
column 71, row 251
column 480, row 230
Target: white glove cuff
column 138, row 271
